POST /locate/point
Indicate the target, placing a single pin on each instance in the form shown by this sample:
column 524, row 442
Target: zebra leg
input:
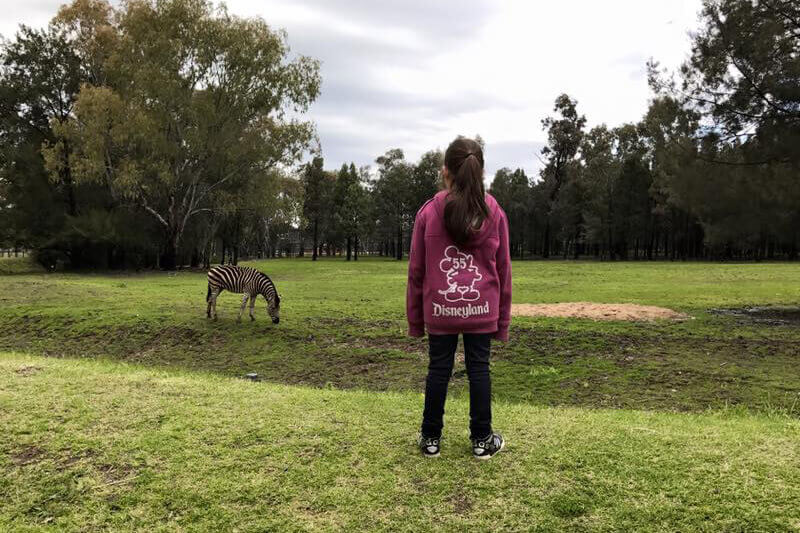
column 241, row 309
column 252, row 306
column 214, row 295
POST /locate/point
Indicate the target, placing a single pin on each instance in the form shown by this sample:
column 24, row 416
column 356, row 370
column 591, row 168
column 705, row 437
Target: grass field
column 134, row 422
column 343, row 325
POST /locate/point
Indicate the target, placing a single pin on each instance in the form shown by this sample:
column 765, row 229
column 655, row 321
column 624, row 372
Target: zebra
column 245, row 280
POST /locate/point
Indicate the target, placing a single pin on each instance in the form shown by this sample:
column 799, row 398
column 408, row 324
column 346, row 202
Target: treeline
column 711, row 171
column 650, row 190
column 159, row 134
column 149, row 134
column 353, row 210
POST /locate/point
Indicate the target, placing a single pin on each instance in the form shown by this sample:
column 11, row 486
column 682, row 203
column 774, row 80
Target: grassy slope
column 343, row 325
column 99, row 445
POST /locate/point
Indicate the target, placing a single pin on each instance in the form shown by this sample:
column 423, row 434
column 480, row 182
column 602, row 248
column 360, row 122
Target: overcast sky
column 413, row 74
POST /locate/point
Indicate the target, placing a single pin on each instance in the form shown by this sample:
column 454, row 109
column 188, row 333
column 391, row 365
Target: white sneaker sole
column 487, row 457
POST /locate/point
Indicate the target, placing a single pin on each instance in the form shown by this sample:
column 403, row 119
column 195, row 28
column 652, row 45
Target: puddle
column 774, row 315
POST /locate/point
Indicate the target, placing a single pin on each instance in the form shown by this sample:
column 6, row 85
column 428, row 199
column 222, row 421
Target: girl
column 459, row 281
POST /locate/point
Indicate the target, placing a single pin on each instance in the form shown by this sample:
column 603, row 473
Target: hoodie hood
column 489, row 225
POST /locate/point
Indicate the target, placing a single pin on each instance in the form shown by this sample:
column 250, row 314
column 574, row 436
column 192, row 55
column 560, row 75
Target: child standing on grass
column 459, row 281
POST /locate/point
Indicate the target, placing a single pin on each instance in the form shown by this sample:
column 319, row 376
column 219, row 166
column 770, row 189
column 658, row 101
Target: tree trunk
column 170, row 257
column 349, row 248
column 355, row 248
column 399, row 242
column 546, row 241
column 314, row 253
column 577, row 238
column 68, row 183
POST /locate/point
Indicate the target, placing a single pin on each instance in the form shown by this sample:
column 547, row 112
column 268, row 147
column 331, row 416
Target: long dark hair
column 466, row 207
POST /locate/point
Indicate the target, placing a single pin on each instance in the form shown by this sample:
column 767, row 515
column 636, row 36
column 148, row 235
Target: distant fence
column 14, row 252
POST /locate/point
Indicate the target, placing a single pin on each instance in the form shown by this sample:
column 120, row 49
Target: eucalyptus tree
column 195, row 101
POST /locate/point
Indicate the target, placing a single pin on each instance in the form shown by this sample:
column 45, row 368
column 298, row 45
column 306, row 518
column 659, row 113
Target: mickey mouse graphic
column 462, row 275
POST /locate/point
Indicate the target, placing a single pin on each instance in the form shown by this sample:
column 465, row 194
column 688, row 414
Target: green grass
column 343, row 325
column 99, row 445
column 19, row 265
column 119, row 410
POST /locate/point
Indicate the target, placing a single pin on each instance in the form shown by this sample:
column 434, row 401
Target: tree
column 564, row 133
column 41, row 76
column 315, row 204
column 741, row 86
column 425, row 179
column 195, row 102
column 349, row 207
column 286, row 216
column 392, row 197
column 599, row 172
column 512, row 191
column 744, row 76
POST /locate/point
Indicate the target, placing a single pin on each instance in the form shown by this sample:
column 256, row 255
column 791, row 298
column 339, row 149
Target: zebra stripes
column 240, row 280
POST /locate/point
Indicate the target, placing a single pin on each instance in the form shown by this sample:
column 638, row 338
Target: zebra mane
column 274, row 288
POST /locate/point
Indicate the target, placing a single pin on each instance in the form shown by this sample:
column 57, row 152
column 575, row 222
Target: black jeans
column 442, row 350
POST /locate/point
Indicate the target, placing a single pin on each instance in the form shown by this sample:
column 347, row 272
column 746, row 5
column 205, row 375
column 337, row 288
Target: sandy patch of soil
column 595, row 311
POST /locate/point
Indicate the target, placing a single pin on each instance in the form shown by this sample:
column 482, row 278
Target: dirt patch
column 595, row 311
column 27, row 455
column 114, row 474
column 462, row 504
column 28, row 370
column 767, row 315
column 70, row 458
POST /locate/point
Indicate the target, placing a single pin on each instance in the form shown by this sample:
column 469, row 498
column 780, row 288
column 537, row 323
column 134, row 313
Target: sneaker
column 428, row 447
column 486, row 448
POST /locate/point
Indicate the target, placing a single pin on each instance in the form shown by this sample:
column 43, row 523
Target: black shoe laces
column 431, row 442
column 493, row 439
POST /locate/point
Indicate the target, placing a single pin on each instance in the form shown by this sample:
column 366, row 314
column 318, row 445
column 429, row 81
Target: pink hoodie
column 455, row 289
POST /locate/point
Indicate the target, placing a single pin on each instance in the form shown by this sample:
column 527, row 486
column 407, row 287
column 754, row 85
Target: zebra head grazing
column 267, row 289
column 274, row 307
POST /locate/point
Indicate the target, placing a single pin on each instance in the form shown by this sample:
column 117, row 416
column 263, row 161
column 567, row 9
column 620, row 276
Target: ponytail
column 466, row 207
